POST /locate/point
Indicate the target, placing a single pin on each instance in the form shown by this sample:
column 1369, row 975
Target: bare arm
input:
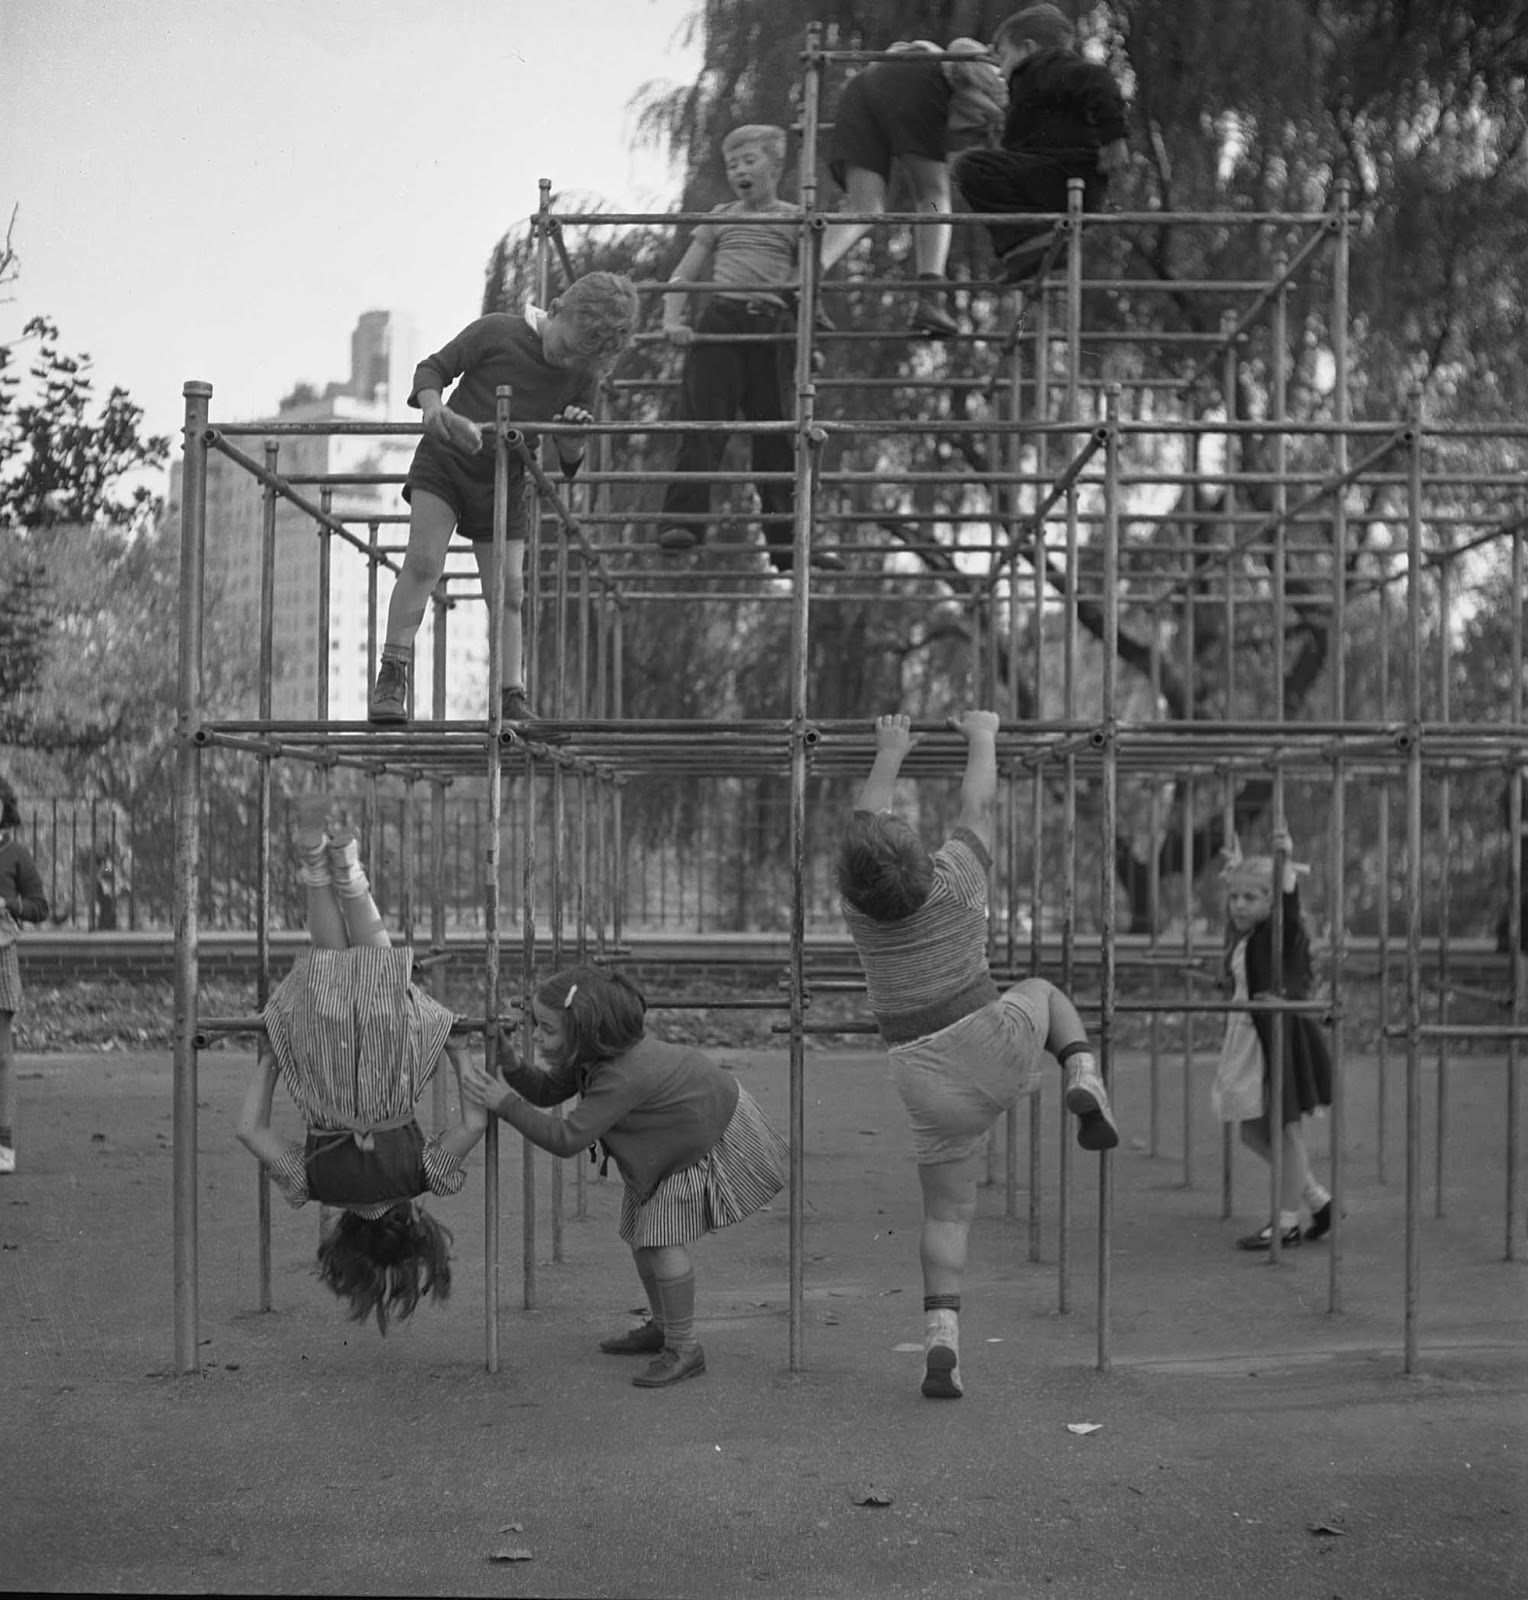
column 978, row 790
column 456, row 1141
column 254, row 1128
column 893, row 739
column 690, row 269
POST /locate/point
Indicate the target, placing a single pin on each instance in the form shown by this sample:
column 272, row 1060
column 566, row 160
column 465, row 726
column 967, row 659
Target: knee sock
column 650, row 1284
column 676, row 1296
column 941, row 1320
column 312, row 844
column 399, row 652
column 344, row 860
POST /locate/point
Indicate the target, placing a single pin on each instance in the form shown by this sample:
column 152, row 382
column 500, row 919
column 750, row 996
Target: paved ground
column 1239, row 1420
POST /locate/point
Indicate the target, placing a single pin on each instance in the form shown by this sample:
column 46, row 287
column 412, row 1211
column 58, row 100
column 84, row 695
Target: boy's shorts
column 465, row 486
column 893, row 108
column 956, row 1083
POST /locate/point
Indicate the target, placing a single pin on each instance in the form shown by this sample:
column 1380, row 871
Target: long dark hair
column 386, row 1265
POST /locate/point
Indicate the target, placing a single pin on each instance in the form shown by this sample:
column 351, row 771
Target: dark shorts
column 891, row 108
column 465, row 483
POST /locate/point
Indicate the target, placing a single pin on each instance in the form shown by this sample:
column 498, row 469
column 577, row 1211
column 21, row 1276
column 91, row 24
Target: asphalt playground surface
column 1247, row 1440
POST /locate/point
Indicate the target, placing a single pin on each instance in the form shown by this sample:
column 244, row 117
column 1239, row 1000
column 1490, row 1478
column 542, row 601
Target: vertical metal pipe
column 1445, row 867
column 1517, row 933
column 1338, row 831
column 1038, row 560
column 1382, row 953
column 1231, row 384
column 325, row 580
column 1108, row 828
column 439, row 610
column 188, row 810
column 1413, row 879
column 810, row 238
column 1278, row 1022
column 263, row 834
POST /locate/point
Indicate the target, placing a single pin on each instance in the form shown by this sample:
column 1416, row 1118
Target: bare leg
column 949, row 1204
column 931, row 193
column 512, row 651
column 8, row 1096
column 1296, row 1169
column 431, row 523
column 864, row 191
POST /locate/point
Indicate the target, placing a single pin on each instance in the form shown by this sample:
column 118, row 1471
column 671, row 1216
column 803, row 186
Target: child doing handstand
column 694, row 1150
column 961, row 1053
column 357, row 1042
column 552, row 360
column 723, row 381
column 21, row 900
column 1242, row 1079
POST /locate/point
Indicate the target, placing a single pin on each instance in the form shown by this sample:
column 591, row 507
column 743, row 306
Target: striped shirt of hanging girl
column 356, row 1043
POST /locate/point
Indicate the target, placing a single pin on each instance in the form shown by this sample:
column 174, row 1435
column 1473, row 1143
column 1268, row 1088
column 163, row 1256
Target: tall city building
column 383, row 354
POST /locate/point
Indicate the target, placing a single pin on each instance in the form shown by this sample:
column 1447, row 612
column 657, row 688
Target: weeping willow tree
column 1236, row 106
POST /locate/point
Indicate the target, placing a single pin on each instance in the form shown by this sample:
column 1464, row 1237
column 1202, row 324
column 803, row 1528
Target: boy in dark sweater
column 1065, row 120
column 552, row 360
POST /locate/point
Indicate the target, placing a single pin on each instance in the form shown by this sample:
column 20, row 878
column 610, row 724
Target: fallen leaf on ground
column 1083, row 1427
column 515, row 1554
column 1328, row 1529
column 907, row 1349
column 513, row 1527
column 873, row 1497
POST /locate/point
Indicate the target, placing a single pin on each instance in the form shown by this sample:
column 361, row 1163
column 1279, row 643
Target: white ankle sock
column 941, row 1327
column 1314, row 1195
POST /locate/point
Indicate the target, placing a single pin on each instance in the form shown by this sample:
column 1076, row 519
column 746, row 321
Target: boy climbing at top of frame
column 755, row 261
column 1066, row 119
column 553, row 360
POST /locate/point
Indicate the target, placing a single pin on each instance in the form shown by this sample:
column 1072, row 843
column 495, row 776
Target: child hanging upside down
column 961, row 1053
column 694, row 1150
column 356, row 1042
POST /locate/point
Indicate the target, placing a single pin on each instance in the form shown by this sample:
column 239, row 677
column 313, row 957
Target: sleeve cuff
column 290, row 1174
column 445, row 1174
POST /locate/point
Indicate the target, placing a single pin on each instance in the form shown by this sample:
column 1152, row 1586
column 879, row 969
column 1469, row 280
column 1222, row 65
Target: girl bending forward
column 357, row 1041
column 694, row 1150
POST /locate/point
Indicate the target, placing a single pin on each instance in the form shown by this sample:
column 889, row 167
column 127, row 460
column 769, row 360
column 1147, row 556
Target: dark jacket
column 658, row 1109
column 1307, row 1060
column 21, row 889
column 1061, row 104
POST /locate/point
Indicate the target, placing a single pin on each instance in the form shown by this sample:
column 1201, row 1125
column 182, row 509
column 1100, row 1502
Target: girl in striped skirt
column 357, row 1041
column 695, row 1151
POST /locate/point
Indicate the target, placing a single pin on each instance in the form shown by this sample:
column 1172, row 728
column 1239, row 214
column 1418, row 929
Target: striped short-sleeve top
column 930, row 969
column 356, row 1043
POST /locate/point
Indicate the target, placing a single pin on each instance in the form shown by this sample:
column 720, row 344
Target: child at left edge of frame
column 21, row 900
column 553, row 360
column 695, row 1152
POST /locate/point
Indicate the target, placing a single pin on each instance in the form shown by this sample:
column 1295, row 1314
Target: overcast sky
column 210, row 190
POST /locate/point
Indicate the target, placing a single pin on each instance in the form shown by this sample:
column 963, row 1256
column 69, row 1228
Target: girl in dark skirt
column 356, row 1042
column 694, row 1150
column 1241, row 1091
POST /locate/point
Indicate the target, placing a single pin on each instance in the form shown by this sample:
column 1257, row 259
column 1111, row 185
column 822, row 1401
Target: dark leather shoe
column 1320, row 1222
column 672, row 1367
column 643, row 1340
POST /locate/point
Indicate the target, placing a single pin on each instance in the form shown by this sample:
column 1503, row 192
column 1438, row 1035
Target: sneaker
column 677, row 540
column 929, row 317
column 1088, row 1101
column 390, row 697
column 672, row 1367
column 513, row 704
column 644, row 1340
column 1320, row 1222
column 941, row 1373
column 7, row 1161
column 1259, row 1240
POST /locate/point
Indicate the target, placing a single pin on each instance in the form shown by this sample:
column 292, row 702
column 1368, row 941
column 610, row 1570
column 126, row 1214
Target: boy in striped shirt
column 961, row 1053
